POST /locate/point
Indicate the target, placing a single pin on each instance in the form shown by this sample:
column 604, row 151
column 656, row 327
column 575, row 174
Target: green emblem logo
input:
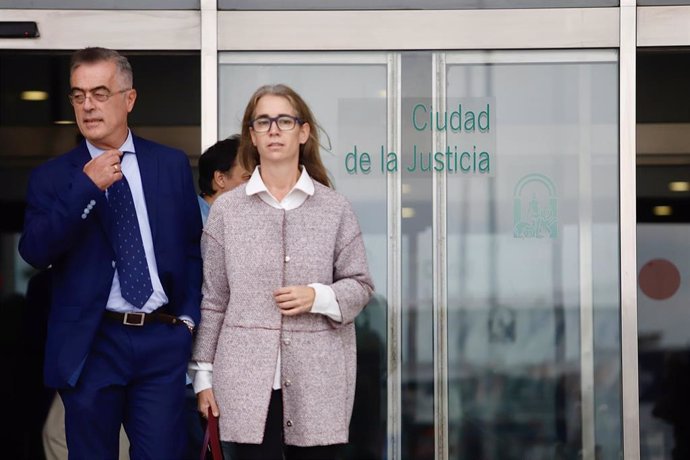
column 535, row 208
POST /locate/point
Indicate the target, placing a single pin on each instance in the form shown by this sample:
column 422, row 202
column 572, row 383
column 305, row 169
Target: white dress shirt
column 325, row 302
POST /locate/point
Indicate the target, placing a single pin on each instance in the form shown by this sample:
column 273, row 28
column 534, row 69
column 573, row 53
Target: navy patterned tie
column 135, row 279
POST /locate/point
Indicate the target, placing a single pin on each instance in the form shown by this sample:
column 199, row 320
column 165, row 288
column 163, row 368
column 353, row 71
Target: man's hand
column 105, row 169
column 294, row 300
column 206, row 399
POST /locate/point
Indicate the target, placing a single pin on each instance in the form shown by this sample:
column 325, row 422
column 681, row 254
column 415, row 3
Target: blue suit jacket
column 80, row 248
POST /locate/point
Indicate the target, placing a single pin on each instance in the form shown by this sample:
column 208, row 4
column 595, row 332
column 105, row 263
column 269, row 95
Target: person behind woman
column 285, row 275
column 219, row 172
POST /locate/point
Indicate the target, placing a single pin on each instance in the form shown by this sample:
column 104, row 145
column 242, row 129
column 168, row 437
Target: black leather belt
column 139, row 319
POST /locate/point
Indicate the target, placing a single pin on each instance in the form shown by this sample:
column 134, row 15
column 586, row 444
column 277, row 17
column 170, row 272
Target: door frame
column 211, row 31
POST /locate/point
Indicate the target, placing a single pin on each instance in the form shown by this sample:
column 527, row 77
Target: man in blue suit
column 118, row 221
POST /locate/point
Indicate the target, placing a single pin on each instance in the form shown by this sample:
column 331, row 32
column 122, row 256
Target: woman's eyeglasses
column 283, row 122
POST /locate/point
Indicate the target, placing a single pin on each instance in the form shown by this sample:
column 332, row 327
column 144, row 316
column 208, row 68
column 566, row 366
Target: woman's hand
column 205, row 400
column 294, row 300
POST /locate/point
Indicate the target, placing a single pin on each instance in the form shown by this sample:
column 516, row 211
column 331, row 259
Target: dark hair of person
column 309, row 154
column 219, row 157
column 94, row 55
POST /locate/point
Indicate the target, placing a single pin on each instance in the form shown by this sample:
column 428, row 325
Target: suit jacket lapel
column 148, row 169
column 80, row 156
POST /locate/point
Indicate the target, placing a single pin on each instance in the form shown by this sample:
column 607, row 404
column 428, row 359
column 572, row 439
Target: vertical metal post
column 586, row 281
column 440, row 271
column 209, row 73
column 628, row 230
column 394, row 205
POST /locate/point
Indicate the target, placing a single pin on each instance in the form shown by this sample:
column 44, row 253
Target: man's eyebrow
column 74, row 88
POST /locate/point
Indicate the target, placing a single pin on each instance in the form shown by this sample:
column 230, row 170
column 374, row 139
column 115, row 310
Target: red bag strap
column 211, row 438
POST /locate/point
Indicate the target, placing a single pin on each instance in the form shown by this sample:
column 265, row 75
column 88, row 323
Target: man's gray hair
column 93, row 55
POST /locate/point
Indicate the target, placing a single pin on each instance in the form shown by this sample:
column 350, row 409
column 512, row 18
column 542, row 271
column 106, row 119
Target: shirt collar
column 256, row 184
column 127, row 146
column 203, row 204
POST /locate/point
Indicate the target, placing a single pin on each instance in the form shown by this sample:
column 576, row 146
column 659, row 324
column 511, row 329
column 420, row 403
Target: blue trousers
column 134, row 376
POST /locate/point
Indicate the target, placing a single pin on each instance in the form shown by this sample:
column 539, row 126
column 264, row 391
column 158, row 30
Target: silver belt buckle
column 137, row 319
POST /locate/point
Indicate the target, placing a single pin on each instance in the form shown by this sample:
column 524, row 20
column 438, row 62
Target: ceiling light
column 679, row 186
column 663, row 210
column 34, row 95
column 64, row 122
column 407, row 213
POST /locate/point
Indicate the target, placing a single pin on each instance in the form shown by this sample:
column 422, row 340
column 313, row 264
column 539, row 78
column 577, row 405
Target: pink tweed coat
column 249, row 250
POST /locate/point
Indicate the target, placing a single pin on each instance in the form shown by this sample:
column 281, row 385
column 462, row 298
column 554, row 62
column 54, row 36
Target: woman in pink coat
column 285, row 275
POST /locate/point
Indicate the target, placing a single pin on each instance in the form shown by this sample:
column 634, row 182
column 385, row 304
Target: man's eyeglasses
column 283, row 122
column 100, row 95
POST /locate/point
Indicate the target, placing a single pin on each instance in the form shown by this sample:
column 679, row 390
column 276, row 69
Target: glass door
column 509, row 321
column 663, row 228
column 348, row 94
column 532, row 253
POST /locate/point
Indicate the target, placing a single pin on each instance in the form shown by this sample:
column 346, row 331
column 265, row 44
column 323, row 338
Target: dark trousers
column 134, row 376
column 273, row 447
column 195, row 424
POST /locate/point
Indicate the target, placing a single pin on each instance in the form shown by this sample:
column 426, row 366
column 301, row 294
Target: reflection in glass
column 525, row 239
column 417, row 357
column 663, row 253
column 663, row 263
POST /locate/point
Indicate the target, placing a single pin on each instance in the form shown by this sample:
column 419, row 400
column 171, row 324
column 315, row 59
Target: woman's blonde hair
column 309, row 154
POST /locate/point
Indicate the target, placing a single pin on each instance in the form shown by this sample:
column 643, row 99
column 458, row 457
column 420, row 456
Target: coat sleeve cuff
column 325, row 302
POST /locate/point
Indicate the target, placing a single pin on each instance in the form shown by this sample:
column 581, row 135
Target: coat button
column 83, row 216
column 287, row 258
column 286, row 341
column 288, row 423
column 92, row 202
column 287, row 383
